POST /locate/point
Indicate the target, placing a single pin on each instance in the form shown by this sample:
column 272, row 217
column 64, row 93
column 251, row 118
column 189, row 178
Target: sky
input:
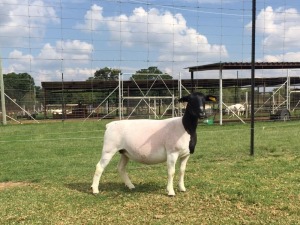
column 77, row 37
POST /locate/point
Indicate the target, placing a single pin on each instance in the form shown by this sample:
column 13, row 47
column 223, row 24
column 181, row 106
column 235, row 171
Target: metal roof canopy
column 239, row 66
column 103, row 84
column 100, row 84
column 200, row 83
column 245, row 66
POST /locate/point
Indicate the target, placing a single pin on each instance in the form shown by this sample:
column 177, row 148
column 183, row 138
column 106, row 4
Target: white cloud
column 162, row 36
column 67, row 50
column 280, row 28
column 72, row 57
column 92, row 19
column 19, row 61
column 287, row 57
column 73, row 73
column 17, row 55
column 20, row 20
column 211, row 1
column 158, row 31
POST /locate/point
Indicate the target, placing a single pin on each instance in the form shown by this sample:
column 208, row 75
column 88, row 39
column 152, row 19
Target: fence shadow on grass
column 85, row 187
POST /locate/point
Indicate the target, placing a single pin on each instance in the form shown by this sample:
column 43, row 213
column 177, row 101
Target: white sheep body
column 147, row 141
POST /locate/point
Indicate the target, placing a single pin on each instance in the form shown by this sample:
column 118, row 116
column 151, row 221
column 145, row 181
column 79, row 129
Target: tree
column 18, row 86
column 150, row 74
column 107, row 74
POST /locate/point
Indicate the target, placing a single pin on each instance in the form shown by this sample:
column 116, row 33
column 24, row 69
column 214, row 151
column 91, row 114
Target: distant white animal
column 238, row 109
column 56, row 111
column 153, row 141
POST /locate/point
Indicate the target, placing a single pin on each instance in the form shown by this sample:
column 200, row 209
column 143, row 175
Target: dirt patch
column 6, row 185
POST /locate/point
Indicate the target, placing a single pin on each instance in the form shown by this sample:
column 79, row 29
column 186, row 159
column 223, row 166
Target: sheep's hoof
column 95, row 192
column 183, row 189
column 131, row 187
column 171, row 194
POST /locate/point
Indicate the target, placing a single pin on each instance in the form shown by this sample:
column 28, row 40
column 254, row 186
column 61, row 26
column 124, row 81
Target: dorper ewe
column 153, row 141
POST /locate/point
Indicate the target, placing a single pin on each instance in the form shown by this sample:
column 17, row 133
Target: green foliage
column 231, row 95
column 106, row 73
column 150, row 74
column 19, row 86
column 55, row 163
column 76, row 97
column 39, row 94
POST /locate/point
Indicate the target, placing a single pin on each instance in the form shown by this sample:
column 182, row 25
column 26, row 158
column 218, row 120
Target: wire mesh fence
column 71, row 100
column 85, row 41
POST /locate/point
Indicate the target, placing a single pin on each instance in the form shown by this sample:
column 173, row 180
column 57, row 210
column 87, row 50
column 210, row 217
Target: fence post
column 2, row 95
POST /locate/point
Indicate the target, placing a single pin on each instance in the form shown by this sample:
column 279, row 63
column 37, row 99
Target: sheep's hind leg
column 183, row 162
column 106, row 157
column 122, row 170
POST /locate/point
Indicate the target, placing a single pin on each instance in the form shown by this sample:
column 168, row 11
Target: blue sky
column 47, row 38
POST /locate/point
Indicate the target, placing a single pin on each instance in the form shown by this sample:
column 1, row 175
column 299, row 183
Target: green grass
column 225, row 185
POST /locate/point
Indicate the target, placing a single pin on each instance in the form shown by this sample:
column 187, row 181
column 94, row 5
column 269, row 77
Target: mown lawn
column 46, row 172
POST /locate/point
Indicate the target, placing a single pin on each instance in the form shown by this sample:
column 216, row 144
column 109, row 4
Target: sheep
column 153, row 141
column 237, row 109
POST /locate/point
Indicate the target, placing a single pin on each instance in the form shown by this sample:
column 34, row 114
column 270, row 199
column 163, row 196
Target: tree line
column 150, row 73
column 21, row 88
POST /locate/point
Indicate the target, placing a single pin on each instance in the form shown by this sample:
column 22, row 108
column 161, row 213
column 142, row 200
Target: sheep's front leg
column 121, row 168
column 171, row 161
column 183, row 162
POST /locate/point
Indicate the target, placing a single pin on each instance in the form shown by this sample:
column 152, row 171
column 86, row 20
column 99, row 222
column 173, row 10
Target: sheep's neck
column 190, row 123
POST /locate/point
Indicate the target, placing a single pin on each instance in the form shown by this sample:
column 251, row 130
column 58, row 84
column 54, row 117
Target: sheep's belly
column 145, row 158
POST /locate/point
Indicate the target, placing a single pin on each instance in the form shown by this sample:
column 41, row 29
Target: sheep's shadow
column 113, row 187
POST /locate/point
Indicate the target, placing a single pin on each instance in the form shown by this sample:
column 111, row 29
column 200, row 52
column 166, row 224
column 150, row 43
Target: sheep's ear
column 184, row 99
column 211, row 98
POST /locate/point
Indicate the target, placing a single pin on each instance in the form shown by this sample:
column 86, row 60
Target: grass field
column 46, row 172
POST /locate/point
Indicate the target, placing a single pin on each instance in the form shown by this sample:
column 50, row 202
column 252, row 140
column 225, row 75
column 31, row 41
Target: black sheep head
column 196, row 103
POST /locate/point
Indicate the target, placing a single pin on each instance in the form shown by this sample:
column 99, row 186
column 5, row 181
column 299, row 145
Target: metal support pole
column 192, row 81
column 45, row 104
column 120, row 97
column 180, row 94
column 2, row 95
column 247, row 104
column 63, row 98
column 179, row 86
column 173, row 106
column 252, row 76
column 221, row 96
column 288, row 87
column 273, row 102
